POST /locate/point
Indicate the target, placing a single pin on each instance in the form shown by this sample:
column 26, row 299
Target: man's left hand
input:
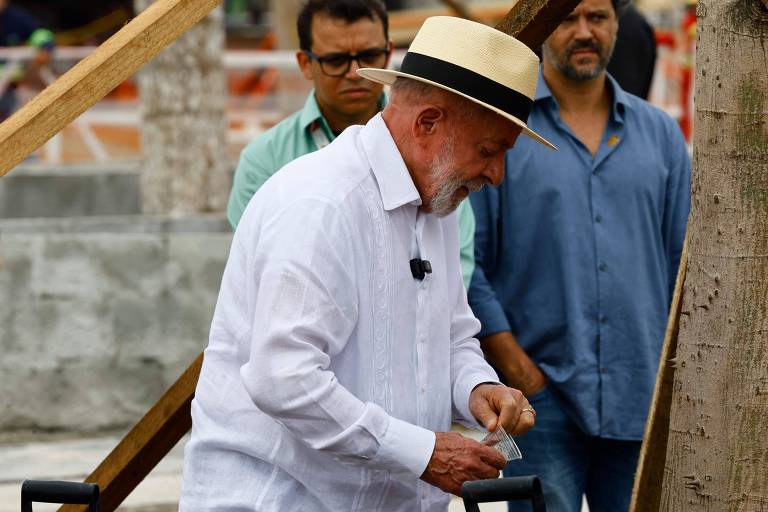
column 492, row 404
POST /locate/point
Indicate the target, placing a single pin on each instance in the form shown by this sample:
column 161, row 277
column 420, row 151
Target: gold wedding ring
column 530, row 410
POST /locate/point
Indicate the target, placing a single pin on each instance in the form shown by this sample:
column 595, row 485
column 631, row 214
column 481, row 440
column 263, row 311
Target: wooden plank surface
column 532, row 21
column 646, row 493
column 146, row 444
column 93, row 77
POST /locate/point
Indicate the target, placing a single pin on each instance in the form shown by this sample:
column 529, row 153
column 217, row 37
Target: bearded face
column 581, row 47
column 571, row 62
column 450, row 188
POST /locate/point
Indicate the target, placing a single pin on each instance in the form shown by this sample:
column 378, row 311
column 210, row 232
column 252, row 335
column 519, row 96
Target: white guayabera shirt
column 329, row 367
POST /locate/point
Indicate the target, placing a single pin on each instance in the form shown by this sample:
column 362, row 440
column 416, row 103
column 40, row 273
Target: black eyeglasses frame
column 323, row 59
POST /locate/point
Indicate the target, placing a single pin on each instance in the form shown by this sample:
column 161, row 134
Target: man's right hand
column 457, row 459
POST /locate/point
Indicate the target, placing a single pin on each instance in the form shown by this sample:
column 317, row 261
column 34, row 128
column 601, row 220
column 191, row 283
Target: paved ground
column 73, row 459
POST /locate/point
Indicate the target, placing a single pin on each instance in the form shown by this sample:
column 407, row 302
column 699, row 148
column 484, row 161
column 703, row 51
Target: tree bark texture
column 717, row 453
column 183, row 96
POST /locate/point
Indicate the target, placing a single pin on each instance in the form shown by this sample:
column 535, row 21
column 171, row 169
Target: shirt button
column 594, row 172
column 603, row 319
column 603, row 267
column 598, row 219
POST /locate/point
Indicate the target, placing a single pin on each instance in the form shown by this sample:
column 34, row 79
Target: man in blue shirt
column 577, row 253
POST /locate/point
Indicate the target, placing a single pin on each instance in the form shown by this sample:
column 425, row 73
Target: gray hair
column 421, row 91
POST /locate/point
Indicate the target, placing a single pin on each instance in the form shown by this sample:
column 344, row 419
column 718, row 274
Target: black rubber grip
column 504, row 489
column 52, row 491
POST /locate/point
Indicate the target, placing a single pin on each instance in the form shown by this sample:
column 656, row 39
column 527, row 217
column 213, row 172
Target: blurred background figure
column 336, row 37
column 19, row 28
column 634, row 56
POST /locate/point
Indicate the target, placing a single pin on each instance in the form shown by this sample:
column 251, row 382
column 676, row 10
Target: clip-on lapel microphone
column 420, row 268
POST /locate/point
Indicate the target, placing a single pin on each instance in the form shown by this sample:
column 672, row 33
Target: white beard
column 442, row 172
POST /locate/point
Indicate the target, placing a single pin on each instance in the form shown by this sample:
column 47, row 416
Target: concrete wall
column 69, row 192
column 98, row 316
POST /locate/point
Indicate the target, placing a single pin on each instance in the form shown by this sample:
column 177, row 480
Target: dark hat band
column 468, row 82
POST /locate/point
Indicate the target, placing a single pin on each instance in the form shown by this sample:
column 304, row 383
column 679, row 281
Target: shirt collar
column 311, row 115
column 395, row 183
column 620, row 97
column 542, row 89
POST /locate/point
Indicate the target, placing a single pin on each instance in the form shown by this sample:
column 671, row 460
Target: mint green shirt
column 292, row 138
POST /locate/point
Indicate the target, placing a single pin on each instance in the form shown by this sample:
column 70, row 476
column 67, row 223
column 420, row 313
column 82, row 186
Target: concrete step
column 34, row 191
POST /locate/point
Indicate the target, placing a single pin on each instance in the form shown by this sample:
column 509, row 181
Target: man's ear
column 305, row 65
column 390, row 49
column 427, row 123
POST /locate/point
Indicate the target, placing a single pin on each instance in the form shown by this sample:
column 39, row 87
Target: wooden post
column 532, row 21
column 93, row 77
column 646, row 493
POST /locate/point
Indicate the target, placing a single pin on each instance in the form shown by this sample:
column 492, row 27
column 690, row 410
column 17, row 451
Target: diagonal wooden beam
column 146, row 444
column 532, row 21
column 93, row 77
column 646, row 493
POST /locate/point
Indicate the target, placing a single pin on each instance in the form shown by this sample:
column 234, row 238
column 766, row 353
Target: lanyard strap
column 318, row 135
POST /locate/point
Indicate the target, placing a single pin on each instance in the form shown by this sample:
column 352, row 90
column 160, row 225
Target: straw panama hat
column 473, row 60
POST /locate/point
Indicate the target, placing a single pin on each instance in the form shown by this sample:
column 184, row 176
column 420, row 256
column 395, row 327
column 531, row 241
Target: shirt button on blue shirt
column 598, row 219
column 603, row 267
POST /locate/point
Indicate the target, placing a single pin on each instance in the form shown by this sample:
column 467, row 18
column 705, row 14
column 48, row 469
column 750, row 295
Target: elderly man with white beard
column 342, row 346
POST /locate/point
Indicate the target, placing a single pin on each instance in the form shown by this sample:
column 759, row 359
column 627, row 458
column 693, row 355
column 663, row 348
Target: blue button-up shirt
column 577, row 256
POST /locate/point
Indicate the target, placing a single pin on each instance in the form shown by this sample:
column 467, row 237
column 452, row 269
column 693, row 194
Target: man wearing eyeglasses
column 336, row 37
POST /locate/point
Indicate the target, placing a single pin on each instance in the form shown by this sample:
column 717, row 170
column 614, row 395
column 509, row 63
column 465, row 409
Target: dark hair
column 619, row 6
column 347, row 10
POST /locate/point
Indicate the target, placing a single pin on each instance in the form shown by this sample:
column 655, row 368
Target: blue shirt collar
column 620, row 96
